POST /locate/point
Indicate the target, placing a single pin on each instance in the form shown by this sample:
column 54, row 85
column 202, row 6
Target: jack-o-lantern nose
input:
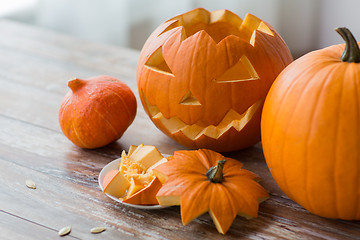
column 243, row 70
column 189, row 99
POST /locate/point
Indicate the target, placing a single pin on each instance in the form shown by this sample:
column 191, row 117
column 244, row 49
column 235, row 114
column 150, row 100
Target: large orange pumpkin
column 203, row 77
column 311, row 130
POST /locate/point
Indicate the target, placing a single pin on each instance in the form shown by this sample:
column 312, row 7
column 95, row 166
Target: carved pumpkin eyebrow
column 243, row 70
column 157, row 63
column 262, row 28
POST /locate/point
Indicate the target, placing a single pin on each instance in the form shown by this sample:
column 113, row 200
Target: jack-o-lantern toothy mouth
column 231, row 120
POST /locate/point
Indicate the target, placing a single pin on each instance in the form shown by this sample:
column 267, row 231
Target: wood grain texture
column 35, row 65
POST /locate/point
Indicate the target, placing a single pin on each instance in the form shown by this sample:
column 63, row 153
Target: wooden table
column 34, row 68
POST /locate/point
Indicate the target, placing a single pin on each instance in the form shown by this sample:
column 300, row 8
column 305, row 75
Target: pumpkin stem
column 352, row 52
column 75, row 83
column 215, row 173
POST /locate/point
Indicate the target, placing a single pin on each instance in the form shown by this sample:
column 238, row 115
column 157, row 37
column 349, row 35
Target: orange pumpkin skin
column 200, row 72
column 311, row 134
column 186, row 183
column 96, row 111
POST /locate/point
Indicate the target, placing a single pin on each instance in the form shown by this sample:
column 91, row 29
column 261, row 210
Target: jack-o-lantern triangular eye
column 189, row 99
column 243, row 70
column 157, row 63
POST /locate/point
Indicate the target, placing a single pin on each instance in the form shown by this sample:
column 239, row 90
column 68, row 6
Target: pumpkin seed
column 97, row 229
column 64, row 231
column 30, row 184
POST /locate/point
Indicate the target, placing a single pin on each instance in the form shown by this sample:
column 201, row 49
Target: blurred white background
column 305, row 25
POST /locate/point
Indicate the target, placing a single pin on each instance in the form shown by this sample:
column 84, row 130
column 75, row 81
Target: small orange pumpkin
column 205, row 181
column 311, row 130
column 203, row 77
column 96, row 111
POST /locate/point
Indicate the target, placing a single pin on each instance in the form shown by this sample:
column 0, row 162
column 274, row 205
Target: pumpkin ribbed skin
column 311, row 133
column 96, row 111
column 190, row 76
column 195, row 181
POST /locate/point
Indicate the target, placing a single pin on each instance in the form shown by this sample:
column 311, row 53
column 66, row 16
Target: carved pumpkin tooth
column 153, row 110
column 265, row 29
column 224, row 15
column 173, row 124
column 174, row 24
column 262, row 28
column 194, row 131
column 252, row 39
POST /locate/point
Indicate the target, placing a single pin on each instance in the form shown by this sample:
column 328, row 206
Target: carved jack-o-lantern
column 203, row 77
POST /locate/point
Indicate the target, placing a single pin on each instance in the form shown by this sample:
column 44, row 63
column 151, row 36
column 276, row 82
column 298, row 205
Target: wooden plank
column 52, row 204
column 44, row 73
column 17, row 94
column 40, row 107
column 91, row 205
column 77, row 170
column 55, row 203
column 14, row 227
column 47, row 60
column 55, row 47
column 49, row 73
column 30, row 104
column 54, row 146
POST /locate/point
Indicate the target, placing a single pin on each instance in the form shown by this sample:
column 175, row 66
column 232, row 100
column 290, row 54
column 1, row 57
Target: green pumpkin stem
column 215, row 173
column 352, row 52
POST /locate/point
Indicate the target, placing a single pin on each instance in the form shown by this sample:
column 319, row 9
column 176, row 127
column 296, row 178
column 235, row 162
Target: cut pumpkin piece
column 135, row 186
column 146, row 156
column 141, row 185
column 131, row 149
column 115, row 183
column 134, row 149
column 149, row 170
column 147, row 195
